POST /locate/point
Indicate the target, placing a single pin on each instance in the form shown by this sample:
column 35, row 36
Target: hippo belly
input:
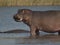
column 51, row 23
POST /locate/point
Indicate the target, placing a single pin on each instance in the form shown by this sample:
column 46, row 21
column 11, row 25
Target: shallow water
column 24, row 39
column 7, row 23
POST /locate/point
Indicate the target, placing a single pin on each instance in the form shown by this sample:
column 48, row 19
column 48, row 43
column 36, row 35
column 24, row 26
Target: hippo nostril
column 16, row 18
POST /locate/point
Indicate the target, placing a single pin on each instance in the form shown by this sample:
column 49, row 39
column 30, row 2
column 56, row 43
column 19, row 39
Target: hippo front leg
column 37, row 32
column 33, row 31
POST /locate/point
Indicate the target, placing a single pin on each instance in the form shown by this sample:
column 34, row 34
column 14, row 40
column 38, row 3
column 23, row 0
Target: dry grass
column 28, row 2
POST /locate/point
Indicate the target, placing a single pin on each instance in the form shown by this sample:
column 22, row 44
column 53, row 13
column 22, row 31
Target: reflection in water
column 13, row 39
column 41, row 39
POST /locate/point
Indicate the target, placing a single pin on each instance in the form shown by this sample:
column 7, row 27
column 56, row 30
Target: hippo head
column 22, row 14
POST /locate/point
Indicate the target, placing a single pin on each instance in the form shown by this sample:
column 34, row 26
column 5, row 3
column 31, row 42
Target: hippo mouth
column 18, row 20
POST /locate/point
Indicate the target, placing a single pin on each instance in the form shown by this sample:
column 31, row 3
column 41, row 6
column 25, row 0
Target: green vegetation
column 28, row 2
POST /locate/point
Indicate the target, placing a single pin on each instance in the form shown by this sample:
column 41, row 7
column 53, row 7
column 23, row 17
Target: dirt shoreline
column 16, row 31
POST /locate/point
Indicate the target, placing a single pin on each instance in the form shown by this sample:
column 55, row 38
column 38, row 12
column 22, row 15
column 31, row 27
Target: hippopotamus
column 47, row 21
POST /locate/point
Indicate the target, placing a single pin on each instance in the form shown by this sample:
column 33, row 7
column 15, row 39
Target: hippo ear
column 26, row 11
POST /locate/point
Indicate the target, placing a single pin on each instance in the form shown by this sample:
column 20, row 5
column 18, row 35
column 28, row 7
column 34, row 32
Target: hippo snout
column 15, row 17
